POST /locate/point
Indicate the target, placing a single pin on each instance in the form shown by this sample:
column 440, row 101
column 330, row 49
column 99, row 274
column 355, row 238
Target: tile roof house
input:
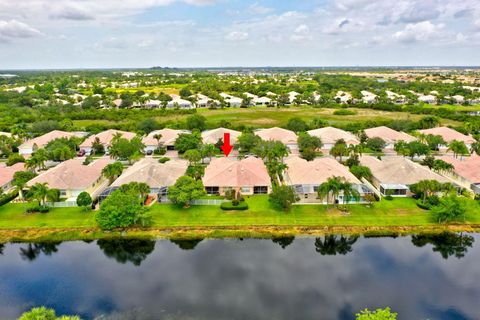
column 29, row 146
column 169, row 136
column 158, row 176
column 212, row 136
column 466, row 171
column 397, row 174
column 287, row 137
column 73, row 177
column 180, row 103
column 388, row 135
column 249, row 176
column 449, row 135
column 330, row 135
column 6, row 175
column 232, row 101
column 306, row 177
column 105, row 138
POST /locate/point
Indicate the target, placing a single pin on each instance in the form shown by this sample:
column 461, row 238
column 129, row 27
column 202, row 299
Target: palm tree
column 158, row 137
column 458, row 148
column 475, row 148
column 144, row 190
column 349, row 192
column 112, row 171
column 331, row 187
column 40, row 192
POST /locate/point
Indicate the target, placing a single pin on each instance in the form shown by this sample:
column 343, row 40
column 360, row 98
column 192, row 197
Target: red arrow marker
column 226, row 147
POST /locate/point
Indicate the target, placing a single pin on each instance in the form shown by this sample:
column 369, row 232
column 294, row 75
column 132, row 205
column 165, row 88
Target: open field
column 260, row 219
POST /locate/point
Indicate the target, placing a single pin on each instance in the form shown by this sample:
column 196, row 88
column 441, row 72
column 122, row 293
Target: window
column 245, row 189
column 315, row 188
column 260, row 190
column 212, row 190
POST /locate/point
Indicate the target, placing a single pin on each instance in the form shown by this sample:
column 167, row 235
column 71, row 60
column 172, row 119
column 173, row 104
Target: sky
column 230, row 33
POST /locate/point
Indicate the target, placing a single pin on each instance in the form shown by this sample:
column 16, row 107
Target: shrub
column 119, row 210
column 7, row 197
column 39, row 209
column 235, row 202
column 14, row 158
column 344, row 112
column 388, row 197
column 229, row 206
column 160, row 151
column 163, row 160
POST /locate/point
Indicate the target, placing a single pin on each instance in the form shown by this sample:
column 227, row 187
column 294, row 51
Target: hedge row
column 6, row 198
column 229, row 206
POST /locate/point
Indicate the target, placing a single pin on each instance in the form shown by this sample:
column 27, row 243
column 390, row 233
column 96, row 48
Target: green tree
column 196, row 122
column 361, row 172
column 84, row 200
column 125, row 149
column 14, row 158
column 458, row 148
column 247, row 142
column 42, row 313
column 330, row 189
column 187, row 141
column 450, row 208
column 283, row 197
column 112, row 171
column 272, row 154
column 37, row 160
column 349, row 192
column 119, row 210
column 297, row 125
column 97, row 146
column 185, row 190
column 208, row 150
column 148, row 125
column 20, row 179
column 375, row 144
column 379, row 314
column 339, row 150
column 193, row 156
column 39, row 192
column 308, row 145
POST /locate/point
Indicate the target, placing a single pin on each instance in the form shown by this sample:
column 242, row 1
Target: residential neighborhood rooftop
column 399, row 170
column 212, row 136
column 168, row 137
column 6, row 173
column 388, row 135
column 43, row 140
column 72, row 174
column 227, row 172
column 153, row 173
column 330, row 135
column 277, row 134
column 448, row 134
column 106, row 137
column 316, row 172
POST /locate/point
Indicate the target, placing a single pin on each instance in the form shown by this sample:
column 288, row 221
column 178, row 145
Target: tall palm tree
column 40, row 192
column 458, row 148
column 349, row 192
column 331, row 188
column 158, row 137
column 112, row 171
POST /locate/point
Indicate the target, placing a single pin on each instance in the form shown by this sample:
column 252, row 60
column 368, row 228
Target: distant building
column 167, row 140
column 330, row 135
column 466, row 171
column 388, row 135
column 449, row 135
column 7, row 173
column 105, row 139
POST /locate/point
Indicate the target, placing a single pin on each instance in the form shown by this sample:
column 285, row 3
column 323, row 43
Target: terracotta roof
column 399, row 170
column 72, row 174
column 6, row 173
column 277, row 134
column 466, row 167
column 106, row 137
column 388, row 135
column 330, row 135
column 227, row 172
column 318, row 171
column 153, row 173
column 212, row 136
column 168, row 137
column 448, row 134
column 43, row 140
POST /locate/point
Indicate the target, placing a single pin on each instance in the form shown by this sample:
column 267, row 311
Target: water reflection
column 33, row 250
column 447, row 244
column 283, row 241
column 186, row 244
column 332, row 244
column 282, row 278
column 127, row 250
column 2, row 245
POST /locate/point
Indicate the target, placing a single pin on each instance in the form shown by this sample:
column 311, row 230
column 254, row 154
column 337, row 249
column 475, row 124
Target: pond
column 329, row 277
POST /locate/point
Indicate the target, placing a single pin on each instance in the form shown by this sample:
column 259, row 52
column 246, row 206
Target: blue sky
column 208, row 33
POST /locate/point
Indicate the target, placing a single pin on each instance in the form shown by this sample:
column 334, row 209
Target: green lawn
column 396, row 213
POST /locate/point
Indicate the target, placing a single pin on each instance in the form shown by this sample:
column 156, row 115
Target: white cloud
column 13, row 29
column 237, row 36
column 258, row 9
column 421, row 31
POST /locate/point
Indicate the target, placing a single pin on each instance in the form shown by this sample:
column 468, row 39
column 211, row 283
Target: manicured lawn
column 12, row 216
column 396, row 213
column 399, row 212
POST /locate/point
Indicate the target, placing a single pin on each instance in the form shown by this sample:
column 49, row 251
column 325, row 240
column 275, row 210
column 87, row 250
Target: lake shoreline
column 268, row 232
